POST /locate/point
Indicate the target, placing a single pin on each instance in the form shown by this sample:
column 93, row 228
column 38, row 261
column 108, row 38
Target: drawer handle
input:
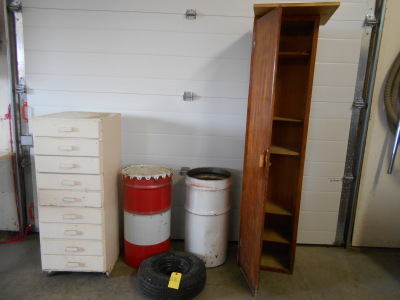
column 71, row 232
column 75, row 264
column 70, row 199
column 67, row 166
column 73, row 249
column 66, row 147
column 71, row 217
column 65, row 129
column 69, row 182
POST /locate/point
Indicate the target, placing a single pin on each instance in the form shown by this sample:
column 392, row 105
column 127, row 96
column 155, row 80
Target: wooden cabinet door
column 258, row 136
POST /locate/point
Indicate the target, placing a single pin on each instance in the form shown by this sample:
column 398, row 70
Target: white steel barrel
column 147, row 212
column 207, row 214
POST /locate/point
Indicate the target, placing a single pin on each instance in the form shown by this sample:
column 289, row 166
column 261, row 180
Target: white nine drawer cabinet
column 78, row 162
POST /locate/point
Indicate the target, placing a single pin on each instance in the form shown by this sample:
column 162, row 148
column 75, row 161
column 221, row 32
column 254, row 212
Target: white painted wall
column 377, row 220
column 138, row 57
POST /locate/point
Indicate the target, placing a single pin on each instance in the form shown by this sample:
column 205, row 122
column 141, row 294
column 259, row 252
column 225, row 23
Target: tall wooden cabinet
column 78, row 162
column 282, row 68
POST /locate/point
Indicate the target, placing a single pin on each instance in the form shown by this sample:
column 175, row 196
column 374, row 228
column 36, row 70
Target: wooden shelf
column 275, row 208
column 273, row 235
column 287, row 120
column 294, row 54
column 274, row 262
column 5, row 154
column 284, row 151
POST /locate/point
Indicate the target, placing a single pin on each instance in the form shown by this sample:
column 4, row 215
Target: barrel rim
column 209, row 170
column 133, row 172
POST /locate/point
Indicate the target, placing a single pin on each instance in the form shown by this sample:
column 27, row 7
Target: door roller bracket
column 188, row 96
column 191, row 14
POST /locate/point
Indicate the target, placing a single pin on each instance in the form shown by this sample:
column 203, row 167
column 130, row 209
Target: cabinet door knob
column 263, row 160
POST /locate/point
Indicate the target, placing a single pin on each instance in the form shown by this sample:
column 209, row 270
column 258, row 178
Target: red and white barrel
column 147, row 212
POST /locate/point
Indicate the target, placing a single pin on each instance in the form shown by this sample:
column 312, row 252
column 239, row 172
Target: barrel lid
column 147, row 172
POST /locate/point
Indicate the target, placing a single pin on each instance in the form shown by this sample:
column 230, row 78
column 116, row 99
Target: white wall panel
column 327, row 129
column 134, row 22
column 326, row 151
column 138, row 66
column 139, row 102
column 321, row 221
column 138, row 57
column 342, row 29
column 320, row 184
column 181, row 44
column 150, row 86
column 333, row 94
column 317, row 201
column 331, row 110
column 338, row 51
column 327, row 169
column 179, row 145
column 349, row 10
column 335, row 74
column 316, row 237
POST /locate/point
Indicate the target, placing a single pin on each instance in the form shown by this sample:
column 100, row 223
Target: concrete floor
column 320, row 273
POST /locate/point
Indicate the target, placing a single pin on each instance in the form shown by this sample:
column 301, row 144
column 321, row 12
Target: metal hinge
column 348, row 177
column 20, row 89
column 191, row 14
column 370, row 19
column 359, row 103
column 15, row 6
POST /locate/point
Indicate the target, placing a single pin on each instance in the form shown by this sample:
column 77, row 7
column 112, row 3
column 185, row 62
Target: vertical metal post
column 19, row 128
column 359, row 121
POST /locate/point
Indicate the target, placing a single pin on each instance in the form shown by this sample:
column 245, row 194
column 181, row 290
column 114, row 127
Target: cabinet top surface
column 78, row 115
column 324, row 10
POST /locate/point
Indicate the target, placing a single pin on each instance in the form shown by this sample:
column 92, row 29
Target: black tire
column 154, row 274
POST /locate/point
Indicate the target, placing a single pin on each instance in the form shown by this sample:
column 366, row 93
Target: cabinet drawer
column 71, row 247
column 73, row 263
column 67, row 147
column 71, row 215
column 69, row 181
column 70, row 198
column 89, row 128
column 71, row 231
column 67, row 164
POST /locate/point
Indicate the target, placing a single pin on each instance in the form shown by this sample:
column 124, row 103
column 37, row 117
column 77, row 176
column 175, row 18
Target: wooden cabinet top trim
column 324, row 10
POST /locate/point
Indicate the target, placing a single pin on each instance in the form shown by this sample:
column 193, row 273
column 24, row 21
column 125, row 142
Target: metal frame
column 359, row 120
column 16, row 65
